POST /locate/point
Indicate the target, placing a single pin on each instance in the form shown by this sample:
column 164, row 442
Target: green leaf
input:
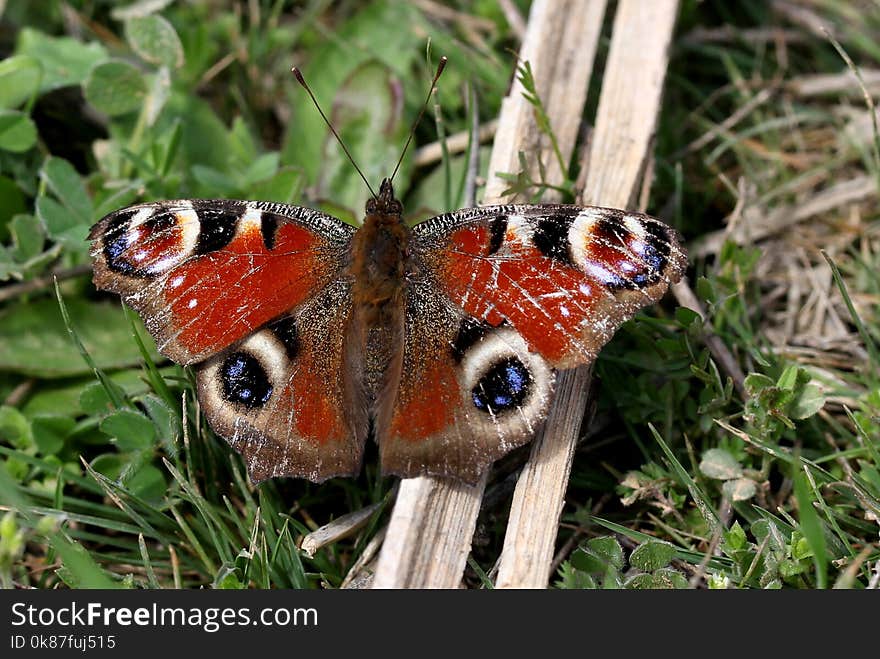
column 27, row 235
column 66, row 184
column 808, row 402
column 148, row 483
column 14, row 428
column 68, row 216
column 60, row 225
column 164, row 420
column 586, row 561
column 109, row 464
column 765, row 529
column 81, row 570
column 754, row 382
column 262, row 168
column 50, row 431
column 227, row 579
column 573, row 579
column 367, row 113
column 664, row 579
column 35, row 342
column 133, row 431
column 735, row 539
column 284, row 187
column 18, row 132
column 333, row 63
column 719, row 464
column 608, row 548
column 11, row 201
column 115, row 88
column 215, row 182
column 811, row 525
column 430, row 195
column 95, row 400
column 800, row 548
column 139, row 8
column 243, row 146
column 20, row 77
column 641, row 581
column 687, row 317
column 8, row 266
column 204, row 138
column 154, row 39
column 652, row 555
column 739, row 489
column 705, row 290
column 668, row 578
column 65, row 61
column 602, row 557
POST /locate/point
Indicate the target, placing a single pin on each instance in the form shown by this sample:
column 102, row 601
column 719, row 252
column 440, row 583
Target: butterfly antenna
column 440, row 66
column 299, row 78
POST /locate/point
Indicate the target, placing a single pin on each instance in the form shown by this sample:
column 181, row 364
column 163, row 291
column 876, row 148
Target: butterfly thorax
column 379, row 253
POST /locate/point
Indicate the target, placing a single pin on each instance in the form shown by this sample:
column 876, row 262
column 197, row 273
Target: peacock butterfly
column 440, row 340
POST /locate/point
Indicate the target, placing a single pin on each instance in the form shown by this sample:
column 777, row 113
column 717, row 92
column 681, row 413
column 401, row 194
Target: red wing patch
column 523, row 287
column 214, row 300
column 428, row 409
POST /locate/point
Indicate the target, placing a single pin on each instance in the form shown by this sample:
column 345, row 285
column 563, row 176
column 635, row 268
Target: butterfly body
column 441, row 340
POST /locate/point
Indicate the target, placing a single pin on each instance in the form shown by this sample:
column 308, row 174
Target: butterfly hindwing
column 565, row 277
column 468, row 392
column 205, row 273
column 282, row 396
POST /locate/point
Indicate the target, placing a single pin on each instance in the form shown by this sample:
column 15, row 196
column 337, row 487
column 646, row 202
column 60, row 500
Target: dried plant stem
column 625, row 124
column 686, row 298
column 44, row 281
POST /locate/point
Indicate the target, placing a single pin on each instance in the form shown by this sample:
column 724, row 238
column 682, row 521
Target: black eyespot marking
column 244, row 380
column 551, row 238
column 470, row 332
column 286, row 332
column 654, row 254
column 269, row 227
column 217, row 227
column 117, row 240
column 115, row 244
column 659, row 243
column 504, row 386
column 497, row 229
column 649, row 254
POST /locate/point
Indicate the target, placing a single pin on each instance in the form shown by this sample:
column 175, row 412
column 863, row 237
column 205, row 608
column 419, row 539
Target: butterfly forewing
column 206, row 273
column 565, row 277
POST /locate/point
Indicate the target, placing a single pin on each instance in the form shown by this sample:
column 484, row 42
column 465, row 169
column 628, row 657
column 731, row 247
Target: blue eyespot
column 244, row 380
column 504, row 386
